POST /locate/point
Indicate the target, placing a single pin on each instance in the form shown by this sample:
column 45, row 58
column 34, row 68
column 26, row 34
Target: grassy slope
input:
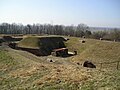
column 98, row 51
column 28, row 42
column 95, row 50
column 20, row 73
column 103, row 52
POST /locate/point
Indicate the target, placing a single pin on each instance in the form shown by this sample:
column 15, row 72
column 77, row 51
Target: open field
column 20, row 70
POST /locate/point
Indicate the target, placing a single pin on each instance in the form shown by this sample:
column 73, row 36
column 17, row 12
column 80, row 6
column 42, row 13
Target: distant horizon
column 102, row 13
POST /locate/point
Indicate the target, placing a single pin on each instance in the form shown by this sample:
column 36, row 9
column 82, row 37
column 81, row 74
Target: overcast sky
column 101, row 13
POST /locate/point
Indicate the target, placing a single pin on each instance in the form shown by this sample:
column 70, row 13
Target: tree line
column 113, row 35
column 49, row 29
column 77, row 31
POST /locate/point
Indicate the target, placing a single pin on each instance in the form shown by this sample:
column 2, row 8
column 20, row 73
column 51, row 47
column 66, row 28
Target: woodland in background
column 78, row 31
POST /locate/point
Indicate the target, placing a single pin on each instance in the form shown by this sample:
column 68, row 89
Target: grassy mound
column 41, row 45
column 94, row 50
column 38, row 42
column 29, row 42
column 102, row 52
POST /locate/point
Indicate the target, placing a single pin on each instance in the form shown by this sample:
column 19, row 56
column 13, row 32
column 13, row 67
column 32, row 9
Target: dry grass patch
column 70, row 74
column 29, row 71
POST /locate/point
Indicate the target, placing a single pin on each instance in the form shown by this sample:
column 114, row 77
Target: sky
column 96, row 13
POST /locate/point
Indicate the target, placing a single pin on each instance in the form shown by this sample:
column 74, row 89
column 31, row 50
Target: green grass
column 30, row 42
column 43, row 45
column 21, row 73
column 103, row 80
column 75, row 44
column 18, row 73
column 102, row 52
column 94, row 50
column 38, row 42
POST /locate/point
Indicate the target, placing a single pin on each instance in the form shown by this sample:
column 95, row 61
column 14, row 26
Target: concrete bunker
column 63, row 52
